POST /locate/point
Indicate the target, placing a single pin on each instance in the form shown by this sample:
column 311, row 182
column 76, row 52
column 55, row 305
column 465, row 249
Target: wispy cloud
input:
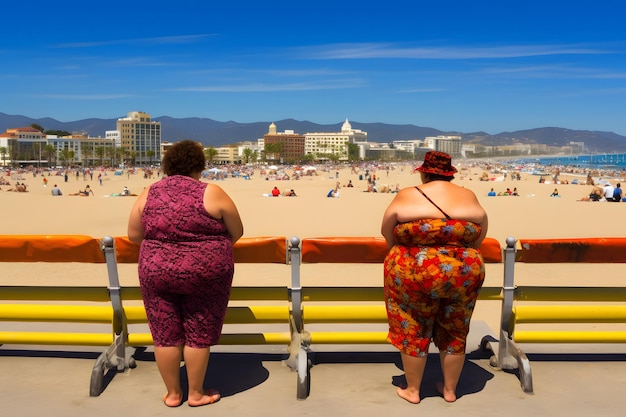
column 274, row 72
column 141, row 62
column 556, row 71
column 389, row 50
column 266, row 87
column 85, row 96
column 421, row 90
column 137, row 41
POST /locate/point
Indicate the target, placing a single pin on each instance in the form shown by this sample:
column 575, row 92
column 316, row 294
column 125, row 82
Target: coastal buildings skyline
column 137, row 141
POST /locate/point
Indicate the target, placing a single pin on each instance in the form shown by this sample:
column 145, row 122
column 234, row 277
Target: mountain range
column 214, row 133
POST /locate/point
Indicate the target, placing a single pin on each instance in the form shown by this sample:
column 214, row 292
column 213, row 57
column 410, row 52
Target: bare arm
column 483, row 220
column 390, row 219
column 221, row 206
column 135, row 228
column 483, row 233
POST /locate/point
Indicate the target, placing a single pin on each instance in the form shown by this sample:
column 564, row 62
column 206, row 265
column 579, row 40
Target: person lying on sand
column 85, row 192
column 20, row 188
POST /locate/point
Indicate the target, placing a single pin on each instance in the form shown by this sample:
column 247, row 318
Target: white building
column 257, row 147
column 408, row 145
column 115, row 136
column 448, row 144
column 322, row 144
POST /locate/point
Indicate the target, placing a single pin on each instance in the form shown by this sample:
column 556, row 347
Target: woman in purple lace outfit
column 186, row 230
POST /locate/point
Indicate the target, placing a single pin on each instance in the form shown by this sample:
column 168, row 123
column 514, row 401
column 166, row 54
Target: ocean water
column 595, row 161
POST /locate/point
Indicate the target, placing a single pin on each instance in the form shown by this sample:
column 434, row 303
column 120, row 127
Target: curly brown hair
column 184, row 158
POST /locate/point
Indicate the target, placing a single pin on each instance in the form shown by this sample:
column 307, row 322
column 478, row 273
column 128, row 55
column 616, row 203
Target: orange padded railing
column 369, row 250
column 587, row 250
column 87, row 249
column 50, row 248
column 247, row 250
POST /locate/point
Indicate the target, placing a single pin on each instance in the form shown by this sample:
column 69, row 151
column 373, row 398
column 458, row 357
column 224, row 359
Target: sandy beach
column 532, row 214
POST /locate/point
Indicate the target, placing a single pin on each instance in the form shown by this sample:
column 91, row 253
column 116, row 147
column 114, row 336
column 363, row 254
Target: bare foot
column 411, row 396
column 210, row 396
column 174, row 400
column 449, row 396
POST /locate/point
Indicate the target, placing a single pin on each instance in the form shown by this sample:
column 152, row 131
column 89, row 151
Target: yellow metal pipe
column 257, row 314
column 345, row 314
column 569, row 337
column 55, row 338
column 56, row 313
column 234, row 315
column 589, row 294
column 259, row 293
column 342, row 293
column 135, row 314
column 236, row 294
column 131, row 293
column 570, row 314
column 140, row 339
column 145, row 339
column 255, row 339
column 54, row 293
column 490, row 293
column 341, row 338
column 372, row 293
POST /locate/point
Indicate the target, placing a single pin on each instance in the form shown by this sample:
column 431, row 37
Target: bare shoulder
column 214, row 189
column 459, row 190
column 406, row 192
column 215, row 193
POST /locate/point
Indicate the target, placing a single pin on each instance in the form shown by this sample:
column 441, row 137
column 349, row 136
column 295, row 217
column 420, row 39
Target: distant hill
column 214, row 133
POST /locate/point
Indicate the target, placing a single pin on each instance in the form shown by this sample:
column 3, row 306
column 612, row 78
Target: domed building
column 327, row 145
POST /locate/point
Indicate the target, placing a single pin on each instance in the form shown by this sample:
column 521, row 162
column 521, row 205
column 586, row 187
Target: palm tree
column 3, row 152
column 274, row 150
column 150, row 153
column 87, row 153
column 66, row 155
column 50, row 153
column 121, row 154
column 110, row 153
column 100, row 152
column 210, row 153
column 247, row 155
column 38, row 127
column 353, row 152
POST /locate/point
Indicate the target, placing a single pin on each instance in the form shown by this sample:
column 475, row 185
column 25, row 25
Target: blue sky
column 454, row 65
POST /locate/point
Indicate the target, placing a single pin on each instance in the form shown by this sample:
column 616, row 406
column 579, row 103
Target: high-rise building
column 140, row 138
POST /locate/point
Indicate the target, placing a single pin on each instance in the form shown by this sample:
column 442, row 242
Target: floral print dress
column 432, row 277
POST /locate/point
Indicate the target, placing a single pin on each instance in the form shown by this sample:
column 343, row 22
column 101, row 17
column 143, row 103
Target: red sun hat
column 439, row 163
